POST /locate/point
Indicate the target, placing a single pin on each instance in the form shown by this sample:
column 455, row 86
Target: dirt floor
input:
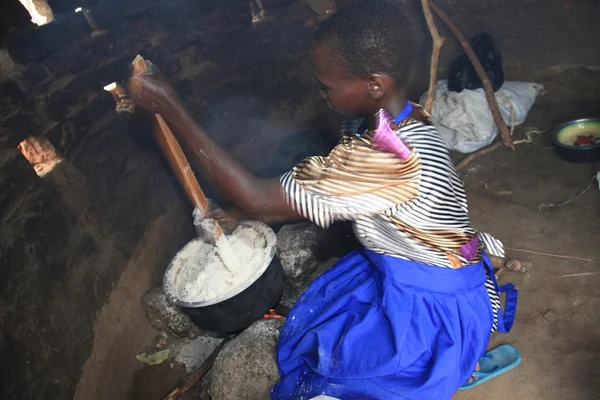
column 556, row 328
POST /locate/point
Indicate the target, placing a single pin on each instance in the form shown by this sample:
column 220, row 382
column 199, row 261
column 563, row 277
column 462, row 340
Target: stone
column 193, row 352
column 165, row 316
column 291, row 294
column 38, row 150
column 297, row 247
column 246, row 368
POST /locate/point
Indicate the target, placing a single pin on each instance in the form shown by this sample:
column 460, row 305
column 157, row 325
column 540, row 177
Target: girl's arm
column 255, row 197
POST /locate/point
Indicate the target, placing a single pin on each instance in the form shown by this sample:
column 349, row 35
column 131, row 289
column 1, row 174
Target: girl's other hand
column 151, row 91
column 231, row 215
column 227, row 217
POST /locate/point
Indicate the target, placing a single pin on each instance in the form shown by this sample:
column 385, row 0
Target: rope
column 570, row 200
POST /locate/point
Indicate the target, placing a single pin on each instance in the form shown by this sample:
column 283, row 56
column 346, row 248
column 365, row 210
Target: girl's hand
column 151, row 91
column 227, row 217
column 231, row 215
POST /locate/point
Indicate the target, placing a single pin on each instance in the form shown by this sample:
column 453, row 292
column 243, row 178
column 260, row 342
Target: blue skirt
column 379, row 327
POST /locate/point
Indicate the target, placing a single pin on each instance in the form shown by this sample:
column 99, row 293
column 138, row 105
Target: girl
column 409, row 315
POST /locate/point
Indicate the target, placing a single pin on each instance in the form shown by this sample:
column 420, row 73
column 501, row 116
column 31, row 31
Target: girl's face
column 347, row 95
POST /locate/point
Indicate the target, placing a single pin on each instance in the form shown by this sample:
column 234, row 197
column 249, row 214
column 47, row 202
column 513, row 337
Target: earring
column 373, row 87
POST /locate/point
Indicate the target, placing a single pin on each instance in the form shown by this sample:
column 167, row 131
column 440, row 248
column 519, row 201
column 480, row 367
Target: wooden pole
column 438, row 42
column 461, row 165
column 209, row 227
column 175, row 155
column 487, row 85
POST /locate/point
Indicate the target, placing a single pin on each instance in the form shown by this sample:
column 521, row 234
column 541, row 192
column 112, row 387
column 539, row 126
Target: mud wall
column 67, row 238
column 532, row 34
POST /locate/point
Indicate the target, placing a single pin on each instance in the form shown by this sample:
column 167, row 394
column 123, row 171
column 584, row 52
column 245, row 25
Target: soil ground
column 556, row 328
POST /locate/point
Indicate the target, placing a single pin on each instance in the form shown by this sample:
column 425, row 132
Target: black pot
column 240, row 311
column 575, row 154
column 236, row 311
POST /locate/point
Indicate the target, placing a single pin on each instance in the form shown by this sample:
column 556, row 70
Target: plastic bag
column 464, row 120
column 463, row 75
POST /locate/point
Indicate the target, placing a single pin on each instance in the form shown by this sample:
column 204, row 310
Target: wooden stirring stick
column 183, row 171
column 174, row 154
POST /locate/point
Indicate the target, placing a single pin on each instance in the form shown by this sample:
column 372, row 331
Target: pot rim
column 260, row 227
column 559, row 127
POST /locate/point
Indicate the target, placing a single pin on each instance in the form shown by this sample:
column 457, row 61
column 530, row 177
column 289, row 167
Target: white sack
column 464, row 119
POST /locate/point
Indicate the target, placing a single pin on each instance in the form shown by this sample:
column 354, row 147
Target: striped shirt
column 415, row 209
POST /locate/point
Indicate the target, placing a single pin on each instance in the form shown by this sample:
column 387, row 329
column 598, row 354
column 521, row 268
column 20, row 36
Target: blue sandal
column 494, row 363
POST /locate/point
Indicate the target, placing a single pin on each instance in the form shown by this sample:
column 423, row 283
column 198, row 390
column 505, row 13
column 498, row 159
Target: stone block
column 193, row 352
column 246, row 368
column 297, row 247
column 165, row 316
column 304, row 247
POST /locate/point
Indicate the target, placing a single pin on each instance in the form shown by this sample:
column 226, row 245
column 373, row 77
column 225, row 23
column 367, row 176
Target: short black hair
column 371, row 36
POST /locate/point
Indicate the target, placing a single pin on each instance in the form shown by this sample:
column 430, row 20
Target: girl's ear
column 376, row 86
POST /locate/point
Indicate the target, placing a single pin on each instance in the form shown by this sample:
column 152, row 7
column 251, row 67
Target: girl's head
column 362, row 57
